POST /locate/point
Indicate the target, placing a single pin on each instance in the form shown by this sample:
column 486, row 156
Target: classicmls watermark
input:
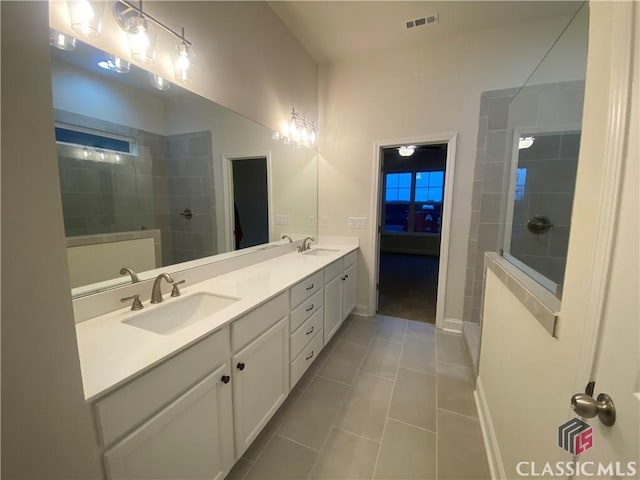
column 576, row 437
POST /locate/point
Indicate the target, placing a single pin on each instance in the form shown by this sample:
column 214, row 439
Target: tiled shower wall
column 555, row 107
column 190, row 168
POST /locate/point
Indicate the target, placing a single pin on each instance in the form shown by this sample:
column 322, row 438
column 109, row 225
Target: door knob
column 586, row 406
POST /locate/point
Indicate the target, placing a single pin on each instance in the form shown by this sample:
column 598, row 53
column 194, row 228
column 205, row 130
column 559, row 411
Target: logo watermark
column 575, row 436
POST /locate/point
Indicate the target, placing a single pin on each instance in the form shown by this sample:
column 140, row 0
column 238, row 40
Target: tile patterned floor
column 388, row 398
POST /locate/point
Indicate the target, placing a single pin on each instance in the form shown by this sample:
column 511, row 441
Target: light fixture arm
column 122, row 14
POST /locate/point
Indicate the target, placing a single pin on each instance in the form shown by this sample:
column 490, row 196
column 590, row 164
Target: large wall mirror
column 151, row 178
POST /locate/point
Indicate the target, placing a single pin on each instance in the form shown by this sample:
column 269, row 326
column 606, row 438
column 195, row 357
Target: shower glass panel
column 544, row 122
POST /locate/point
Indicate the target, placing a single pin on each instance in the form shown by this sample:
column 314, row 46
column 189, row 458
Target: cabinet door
column 191, row 438
column 260, row 382
column 332, row 307
column 349, row 291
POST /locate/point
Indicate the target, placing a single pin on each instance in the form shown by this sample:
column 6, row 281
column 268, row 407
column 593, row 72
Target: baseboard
column 496, row 466
column 361, row 311
column 452, row 325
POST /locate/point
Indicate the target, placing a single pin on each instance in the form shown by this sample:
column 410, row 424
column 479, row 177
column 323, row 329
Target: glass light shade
column 158, row 82
column 118, row 64
column 142, row 39
column 86, row 16
column 61, row 41
column 407, row 150
column 183, row 63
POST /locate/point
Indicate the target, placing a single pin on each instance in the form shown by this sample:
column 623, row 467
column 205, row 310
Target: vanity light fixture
column 158, row 82
column 61, row 41
column 183, row 61
column 86, row 16
column 298, row 130
column 142, row 38
column 525, row 142
column 406, row 150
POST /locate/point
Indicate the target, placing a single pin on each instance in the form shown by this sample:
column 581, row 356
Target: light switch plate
column 324, row 221
column 282, row 219
column 357, row 222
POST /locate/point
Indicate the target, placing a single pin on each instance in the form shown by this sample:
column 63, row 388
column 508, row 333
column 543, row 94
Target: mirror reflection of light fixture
column 116, row 64
column 525, row 142
column 406, row 150
column 183, row 61
column 158, row 82
column 61, row 41
column 86, row 16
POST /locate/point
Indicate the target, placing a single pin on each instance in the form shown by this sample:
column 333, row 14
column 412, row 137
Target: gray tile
column 343, row 362
column 239, row 470
column 550, row 175
column 414, row 399
column 283, row 459
column 494, row 177
column 523, row 110
column 365, row 410
column 561, row 107
column 496, row 146
column 523, row 242
column 476, row 195
column 262, row 440
column 345, row 456
column 545, row 147
column 406, row 453
column 391, row 328
column 312, row 415
column 455, row 389
column 359, row 330
column 498, row 113
column 482, row 132
column 570, row 145
column 488, row 237
column 420, row 330
column 490, row 206
column 382, row 359
column 419, row 354
column 450, row 349
column 461, row 452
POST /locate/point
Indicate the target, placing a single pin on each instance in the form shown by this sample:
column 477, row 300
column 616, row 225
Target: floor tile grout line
column 433, row 374
column 295, row 441
column 459, row 414
column 357, row 434
column 412, row 425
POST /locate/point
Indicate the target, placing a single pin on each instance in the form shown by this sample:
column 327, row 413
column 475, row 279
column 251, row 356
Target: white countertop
column 112, row 352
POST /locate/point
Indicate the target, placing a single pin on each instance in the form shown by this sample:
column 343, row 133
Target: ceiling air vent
column 419, row 22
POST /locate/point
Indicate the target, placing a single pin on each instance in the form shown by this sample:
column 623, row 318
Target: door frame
column 450, row 139
column 227, row 175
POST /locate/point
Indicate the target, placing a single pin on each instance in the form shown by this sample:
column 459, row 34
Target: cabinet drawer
column 306, row 358
column 350, row 259
column 333, row 270
column 301, row 337
column 306, row 288
column 250, row 326
column 136, row 402
column 304, row 311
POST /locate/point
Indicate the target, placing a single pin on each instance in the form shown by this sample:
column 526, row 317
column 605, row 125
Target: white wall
column 85, row 93
column 528, row 377
column 246, row 59
column 426, row 90
column 47, row 429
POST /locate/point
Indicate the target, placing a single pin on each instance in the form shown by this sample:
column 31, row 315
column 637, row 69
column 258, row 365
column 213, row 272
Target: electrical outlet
column 324, row 221
column 357, row 222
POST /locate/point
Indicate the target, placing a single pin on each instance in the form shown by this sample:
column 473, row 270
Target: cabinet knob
column 240, row 366
column 225, row 378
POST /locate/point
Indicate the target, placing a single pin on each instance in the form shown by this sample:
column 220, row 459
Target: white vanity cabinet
column 339, row 293
column 306, row 324
column 173, row 421
column 260, row 363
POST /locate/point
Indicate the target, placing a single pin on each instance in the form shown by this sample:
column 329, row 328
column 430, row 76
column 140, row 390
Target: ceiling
column 338, row 30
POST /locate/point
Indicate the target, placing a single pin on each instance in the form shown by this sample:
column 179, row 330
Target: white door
column 260, row 382
column 616, row 369
column 192, row 438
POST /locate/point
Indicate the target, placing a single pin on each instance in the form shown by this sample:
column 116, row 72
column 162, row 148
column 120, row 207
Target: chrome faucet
column 131, row 272
column 287, row 237
column 305, row 244
column 156, row 291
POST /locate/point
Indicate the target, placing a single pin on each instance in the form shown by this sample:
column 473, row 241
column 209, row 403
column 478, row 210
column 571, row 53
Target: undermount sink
column 321, row 252
column 177, row 314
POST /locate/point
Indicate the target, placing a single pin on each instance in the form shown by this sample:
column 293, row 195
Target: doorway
column 250, row 202
column 411, row 243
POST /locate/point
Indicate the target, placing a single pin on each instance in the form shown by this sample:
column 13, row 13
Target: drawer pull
column 310, row 287
column 225, row 378
column 310, row 308
column 311, row 331
column 310, row 356
column 240, row 366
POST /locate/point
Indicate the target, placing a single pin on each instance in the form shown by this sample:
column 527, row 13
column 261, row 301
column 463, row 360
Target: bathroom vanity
column 181, row 398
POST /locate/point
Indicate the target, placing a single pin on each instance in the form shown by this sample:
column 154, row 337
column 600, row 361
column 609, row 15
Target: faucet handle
column 137, row 304
column 175, row 292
